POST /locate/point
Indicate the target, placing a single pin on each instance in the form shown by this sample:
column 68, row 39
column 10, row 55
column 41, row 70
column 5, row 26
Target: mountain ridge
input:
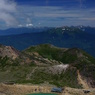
column 68, row 38
column 22, row 30
column 47, row 63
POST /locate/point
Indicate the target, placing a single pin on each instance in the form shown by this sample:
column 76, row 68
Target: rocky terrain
column 9, row 52
column 47, row 65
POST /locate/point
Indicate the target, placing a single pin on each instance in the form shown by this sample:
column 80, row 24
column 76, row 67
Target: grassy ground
column 38, row 75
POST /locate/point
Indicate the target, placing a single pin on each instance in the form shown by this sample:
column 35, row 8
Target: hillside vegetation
column 47, row 64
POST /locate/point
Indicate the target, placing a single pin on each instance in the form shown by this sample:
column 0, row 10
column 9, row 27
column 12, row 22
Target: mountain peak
column 9, row 52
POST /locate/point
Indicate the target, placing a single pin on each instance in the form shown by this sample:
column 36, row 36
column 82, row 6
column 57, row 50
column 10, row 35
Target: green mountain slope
column 69, row 37
column 64, row 55
column 47, row 64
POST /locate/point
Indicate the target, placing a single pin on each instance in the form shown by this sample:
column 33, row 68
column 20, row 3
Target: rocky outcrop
column 9, row 52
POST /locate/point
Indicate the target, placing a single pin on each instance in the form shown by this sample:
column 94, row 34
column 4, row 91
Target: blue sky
column 88, row 3
column 49, row 13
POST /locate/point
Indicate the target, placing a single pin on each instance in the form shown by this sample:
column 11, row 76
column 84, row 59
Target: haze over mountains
column 68, row 37
column 21, row 30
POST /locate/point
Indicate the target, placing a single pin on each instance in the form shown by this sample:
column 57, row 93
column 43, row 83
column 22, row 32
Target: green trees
column 3, row 61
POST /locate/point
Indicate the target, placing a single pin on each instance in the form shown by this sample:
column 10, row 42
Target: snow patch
column 63, row 29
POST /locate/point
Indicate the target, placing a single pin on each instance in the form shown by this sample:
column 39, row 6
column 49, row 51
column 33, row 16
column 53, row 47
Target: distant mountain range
column 15, row 31
column 68, row 37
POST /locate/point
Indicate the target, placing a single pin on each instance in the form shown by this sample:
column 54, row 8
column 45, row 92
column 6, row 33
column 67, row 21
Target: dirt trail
column 28, row 77
column 82, row 82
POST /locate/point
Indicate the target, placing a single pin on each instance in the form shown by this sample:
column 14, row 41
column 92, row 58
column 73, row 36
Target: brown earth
column 27, row 89
column 73, row 91
column 9, row 52
column 22, row 89
column 82, row 81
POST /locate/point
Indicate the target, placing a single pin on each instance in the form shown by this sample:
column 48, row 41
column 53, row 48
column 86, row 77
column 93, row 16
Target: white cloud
column 28, row 16
column 29, row 25
column 20, row 25
column 28, row 20
column 7, row 10
column 88, row 19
